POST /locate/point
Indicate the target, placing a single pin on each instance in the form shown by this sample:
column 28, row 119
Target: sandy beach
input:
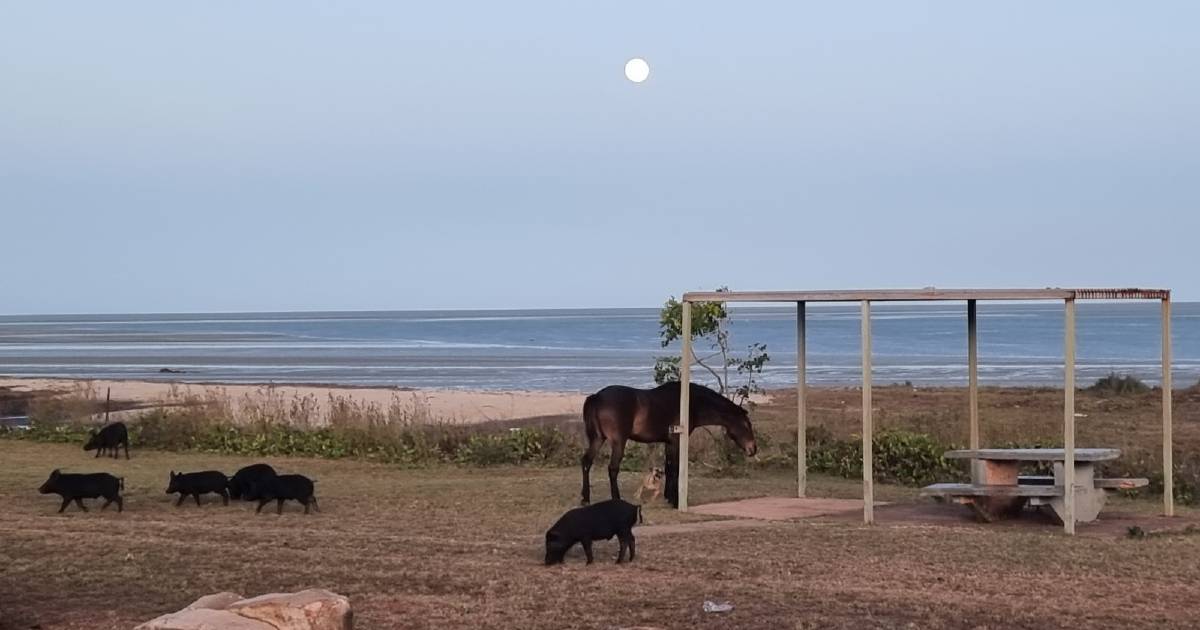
column 444, row 405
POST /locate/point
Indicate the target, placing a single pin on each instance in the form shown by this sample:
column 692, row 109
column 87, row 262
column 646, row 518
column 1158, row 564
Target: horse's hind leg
column 614, row 466
column 589, row 456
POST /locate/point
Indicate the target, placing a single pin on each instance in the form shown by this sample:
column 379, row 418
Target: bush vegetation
column 1119, row 385
column 404, row 433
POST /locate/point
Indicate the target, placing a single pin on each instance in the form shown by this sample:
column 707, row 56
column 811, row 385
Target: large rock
column 218, row 601
column 204, row 619
column 314, row 609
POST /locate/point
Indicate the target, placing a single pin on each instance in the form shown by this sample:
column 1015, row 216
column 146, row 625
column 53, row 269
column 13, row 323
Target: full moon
column 637, row 70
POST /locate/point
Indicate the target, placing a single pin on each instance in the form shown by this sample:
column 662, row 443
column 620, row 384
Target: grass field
column 449, row 547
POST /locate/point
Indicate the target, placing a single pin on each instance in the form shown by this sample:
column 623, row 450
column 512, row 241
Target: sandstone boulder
column 204, row 619
column 218, row 601
column 314, row 609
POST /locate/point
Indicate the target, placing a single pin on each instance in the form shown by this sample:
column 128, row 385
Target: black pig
column 111, row 437
column 283, row 488
column 243, row 481
column 198, row 483
column 599, row 521
column 74, row 487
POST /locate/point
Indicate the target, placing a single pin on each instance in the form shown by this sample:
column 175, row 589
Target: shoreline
column 322, row 404
column 442, row 405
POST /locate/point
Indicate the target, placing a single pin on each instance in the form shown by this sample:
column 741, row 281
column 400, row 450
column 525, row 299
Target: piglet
column 76, row 487
column 285, row 488
column 599, row 521
column 243, row 481
column 109, row 438
column 198, row 483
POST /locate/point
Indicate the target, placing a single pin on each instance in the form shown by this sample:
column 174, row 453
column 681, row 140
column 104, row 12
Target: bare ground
column 449, row 547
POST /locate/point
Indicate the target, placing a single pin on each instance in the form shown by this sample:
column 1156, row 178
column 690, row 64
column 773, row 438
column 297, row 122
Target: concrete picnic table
column 998, row 490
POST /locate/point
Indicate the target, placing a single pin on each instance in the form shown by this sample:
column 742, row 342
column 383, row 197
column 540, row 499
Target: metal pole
column 801, row 401
column 973, row 368
column 1069, row 420
column 1167, row 383
column 685, row 386
column 867, row 421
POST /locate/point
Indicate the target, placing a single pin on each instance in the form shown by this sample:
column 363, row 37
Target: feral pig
column 74, row 487
column 599, row 521
column 284, row 488
column 242, row 482
column 198, row 483
column 111, row 437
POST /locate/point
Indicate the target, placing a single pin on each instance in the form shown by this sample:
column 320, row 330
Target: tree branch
column 710, row 370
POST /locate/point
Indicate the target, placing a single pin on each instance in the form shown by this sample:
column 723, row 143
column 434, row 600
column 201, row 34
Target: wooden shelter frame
column 972, row 297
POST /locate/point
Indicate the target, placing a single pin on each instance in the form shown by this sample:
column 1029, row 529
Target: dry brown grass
column 451, row 548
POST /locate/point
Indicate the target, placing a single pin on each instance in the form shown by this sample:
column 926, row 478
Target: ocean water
column 582, row 350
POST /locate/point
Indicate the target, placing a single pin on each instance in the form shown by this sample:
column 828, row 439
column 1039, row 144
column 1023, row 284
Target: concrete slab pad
column 782, row 508
column 702, row 526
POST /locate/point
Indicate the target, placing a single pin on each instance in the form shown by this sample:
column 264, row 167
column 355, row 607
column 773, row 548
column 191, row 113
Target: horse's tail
column 591, row 420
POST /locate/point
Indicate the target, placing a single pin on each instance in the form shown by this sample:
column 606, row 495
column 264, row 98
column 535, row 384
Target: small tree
column 710, row 323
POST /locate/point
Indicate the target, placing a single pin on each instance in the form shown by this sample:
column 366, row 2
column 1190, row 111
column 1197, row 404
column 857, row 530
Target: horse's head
column 739, row 430
column 721, row 411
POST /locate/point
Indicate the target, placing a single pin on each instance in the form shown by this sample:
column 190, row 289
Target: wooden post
column 973, row 369
column 107, row 403
column 1168, row 455
column 801, row 402
column 1069, row 420
column 685, row 386
column 867, row 421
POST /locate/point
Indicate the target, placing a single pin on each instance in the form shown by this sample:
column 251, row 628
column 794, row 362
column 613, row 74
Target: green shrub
column 41, row 433
column 902, row 457
column 912, row 459
column 1143, row 463
column 1119, row 385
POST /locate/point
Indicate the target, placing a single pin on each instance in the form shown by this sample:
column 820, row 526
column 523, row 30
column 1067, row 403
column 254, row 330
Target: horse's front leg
column 671, row 470
column 614, row 466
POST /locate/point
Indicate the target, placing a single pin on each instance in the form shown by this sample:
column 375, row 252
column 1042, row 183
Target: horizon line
column 738, row 306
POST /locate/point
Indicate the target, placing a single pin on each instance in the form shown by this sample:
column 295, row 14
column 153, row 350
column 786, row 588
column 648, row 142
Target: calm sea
column 581, row 350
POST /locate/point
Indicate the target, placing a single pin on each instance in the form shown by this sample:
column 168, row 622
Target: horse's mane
column 706, row 396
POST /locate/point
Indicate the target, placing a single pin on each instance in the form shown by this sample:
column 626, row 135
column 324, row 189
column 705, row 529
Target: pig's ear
column 57, row 472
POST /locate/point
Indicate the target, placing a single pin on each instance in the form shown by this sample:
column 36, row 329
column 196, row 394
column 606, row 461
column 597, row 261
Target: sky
column 250, row 156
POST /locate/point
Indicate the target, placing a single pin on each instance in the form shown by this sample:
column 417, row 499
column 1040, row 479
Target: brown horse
column 617, row 413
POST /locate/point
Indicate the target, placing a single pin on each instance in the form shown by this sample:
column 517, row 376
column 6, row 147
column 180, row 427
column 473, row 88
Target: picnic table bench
column 998, row 490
